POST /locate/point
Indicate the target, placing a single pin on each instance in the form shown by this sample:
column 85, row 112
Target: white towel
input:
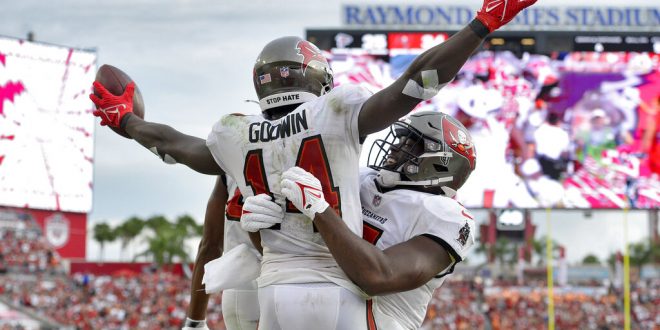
column 235, row 268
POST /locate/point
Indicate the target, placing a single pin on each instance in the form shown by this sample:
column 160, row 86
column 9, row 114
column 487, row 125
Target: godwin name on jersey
column 320, row 136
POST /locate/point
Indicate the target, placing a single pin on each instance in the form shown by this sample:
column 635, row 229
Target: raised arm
column 167, row 143
column 434, row 68
column 172, row 146
column 401, row 267
column 210, row 247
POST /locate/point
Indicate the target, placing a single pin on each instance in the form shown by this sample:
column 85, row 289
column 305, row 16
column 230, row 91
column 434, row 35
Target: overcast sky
column 193, row 63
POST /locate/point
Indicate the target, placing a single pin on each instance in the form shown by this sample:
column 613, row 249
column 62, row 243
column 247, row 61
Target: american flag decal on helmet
column 264, row 78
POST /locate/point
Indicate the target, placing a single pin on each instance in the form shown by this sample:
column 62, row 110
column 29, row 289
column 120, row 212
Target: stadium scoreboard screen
column 46, row 126
column 559, row 119
column 376, row 43
column 386, row 42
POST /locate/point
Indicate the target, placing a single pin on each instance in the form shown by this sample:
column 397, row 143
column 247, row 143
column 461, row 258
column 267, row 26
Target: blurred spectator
column 456, row 305
column 25, row 249
column 144, row 301
column 650, row 143
column 551, row 143
column 596, row 137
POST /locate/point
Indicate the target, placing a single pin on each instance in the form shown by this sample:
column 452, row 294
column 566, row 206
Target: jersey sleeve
column 352, row 97
column 219, row 141
column 449, row 224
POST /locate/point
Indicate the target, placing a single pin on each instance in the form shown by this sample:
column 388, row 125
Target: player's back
column 389, row 219
column 321, row 137
column 234, row 235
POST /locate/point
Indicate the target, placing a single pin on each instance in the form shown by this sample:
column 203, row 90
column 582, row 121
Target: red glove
column 112, row 108
column 496, row 13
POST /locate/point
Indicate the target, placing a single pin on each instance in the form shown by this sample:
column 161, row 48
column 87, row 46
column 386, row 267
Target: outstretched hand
column 496, row 13
column 112, row 108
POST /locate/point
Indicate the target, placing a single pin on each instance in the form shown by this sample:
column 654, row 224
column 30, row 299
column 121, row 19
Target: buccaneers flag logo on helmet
column 464, row 234
column 309, row 52
column 459, row 141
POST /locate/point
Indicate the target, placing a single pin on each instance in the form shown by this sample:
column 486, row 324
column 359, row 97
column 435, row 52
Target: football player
column 222, row 232
column 414, row 232
column 308, row 124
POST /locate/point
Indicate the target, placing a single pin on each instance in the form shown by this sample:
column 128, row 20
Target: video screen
column 46, row 141
column 568, row 130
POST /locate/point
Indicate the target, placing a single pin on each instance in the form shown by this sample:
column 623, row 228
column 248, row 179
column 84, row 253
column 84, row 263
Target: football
column 115, row 81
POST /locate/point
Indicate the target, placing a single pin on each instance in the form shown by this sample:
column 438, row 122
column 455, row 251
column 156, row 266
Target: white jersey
column 234, row 233
column 397, row 216
column 320, row 136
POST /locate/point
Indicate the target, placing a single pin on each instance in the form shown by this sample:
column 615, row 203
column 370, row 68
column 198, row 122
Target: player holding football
column 307, row 124
column 414, row 232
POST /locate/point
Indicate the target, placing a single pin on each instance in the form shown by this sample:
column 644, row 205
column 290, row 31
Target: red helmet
column 288, row 71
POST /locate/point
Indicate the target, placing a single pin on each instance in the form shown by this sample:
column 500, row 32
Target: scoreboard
column 377, row 43
column 400, row 42
column 526, row 75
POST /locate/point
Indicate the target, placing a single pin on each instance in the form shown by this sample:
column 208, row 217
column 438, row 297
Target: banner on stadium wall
column 66, row 232
column 581, row 18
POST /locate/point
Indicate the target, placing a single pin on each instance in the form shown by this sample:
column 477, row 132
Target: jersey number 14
column 311, row 157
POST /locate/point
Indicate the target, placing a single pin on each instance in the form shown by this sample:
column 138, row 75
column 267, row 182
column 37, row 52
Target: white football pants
column 318, row 306
column 240, row 309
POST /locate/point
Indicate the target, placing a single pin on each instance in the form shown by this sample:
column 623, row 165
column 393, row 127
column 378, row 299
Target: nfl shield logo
column 376, row 200
column 284, row 71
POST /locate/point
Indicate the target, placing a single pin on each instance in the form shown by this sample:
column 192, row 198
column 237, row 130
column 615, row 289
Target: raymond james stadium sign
column 537, row 18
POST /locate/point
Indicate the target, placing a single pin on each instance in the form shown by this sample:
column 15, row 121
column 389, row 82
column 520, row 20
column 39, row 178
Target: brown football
column 115, row 81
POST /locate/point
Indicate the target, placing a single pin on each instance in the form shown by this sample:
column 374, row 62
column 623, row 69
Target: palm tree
column 590, row 259
column 481, row 248
column 156, row 222
column 167, row 243
column 187, row 224
column 640, row 254
column 655, row 251
column 506, row 252
column 539, row 247
column 129, row 230
column 611, row 260
column 103, row 233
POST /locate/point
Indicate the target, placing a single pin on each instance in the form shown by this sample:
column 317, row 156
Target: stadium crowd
column 31, row 277
column 144, row 301
column 159, row 299
column 24, row 249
